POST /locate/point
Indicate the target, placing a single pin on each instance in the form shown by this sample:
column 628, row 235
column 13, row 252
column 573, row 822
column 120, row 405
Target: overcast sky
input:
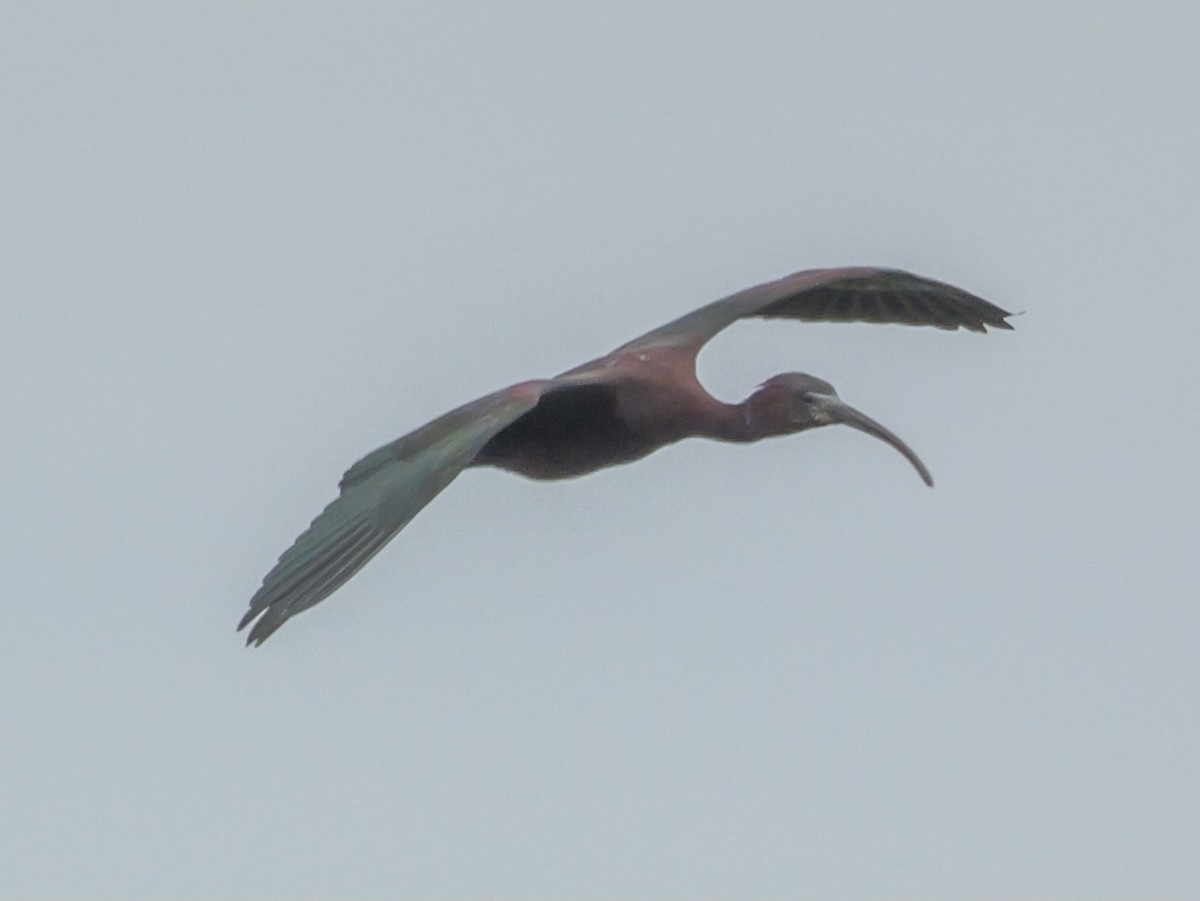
column 243, row 244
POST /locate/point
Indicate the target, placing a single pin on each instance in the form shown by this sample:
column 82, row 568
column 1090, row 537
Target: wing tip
column 264, row 628
column 1002, row 321
column 995, row 321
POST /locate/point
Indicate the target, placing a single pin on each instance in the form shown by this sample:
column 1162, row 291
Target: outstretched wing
column 860, row 294
column 380, row 494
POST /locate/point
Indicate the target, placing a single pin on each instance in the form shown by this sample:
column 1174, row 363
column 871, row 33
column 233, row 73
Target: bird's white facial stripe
column 819, row 408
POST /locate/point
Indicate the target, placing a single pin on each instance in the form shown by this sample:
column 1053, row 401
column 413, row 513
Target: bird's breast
column 574, row 431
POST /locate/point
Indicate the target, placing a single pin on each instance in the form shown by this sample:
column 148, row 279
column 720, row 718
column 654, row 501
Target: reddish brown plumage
column 619, row 408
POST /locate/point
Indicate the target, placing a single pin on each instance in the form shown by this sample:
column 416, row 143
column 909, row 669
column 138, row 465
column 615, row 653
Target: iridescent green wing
column 833, row 295
column 380, row 494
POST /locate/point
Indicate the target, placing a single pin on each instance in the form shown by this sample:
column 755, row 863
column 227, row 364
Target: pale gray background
column 242, row 244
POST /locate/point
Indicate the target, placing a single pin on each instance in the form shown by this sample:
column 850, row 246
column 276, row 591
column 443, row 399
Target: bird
column 612, row 410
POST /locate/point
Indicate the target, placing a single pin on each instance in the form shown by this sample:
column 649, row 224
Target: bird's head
column 793, row 402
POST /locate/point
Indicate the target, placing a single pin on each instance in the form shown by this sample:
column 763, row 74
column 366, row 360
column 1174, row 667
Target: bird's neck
column 764, row 414
column 742, row 423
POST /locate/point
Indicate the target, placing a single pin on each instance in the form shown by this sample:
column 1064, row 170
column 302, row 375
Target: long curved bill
column 840, row 412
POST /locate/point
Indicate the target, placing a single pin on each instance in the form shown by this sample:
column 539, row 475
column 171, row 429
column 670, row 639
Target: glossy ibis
column 615, row 409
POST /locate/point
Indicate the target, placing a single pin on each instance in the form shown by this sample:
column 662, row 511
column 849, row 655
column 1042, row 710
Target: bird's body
column 613, row 410
column 605, row 414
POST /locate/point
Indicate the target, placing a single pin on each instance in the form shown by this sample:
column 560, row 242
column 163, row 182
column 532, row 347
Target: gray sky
column 242, row 244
